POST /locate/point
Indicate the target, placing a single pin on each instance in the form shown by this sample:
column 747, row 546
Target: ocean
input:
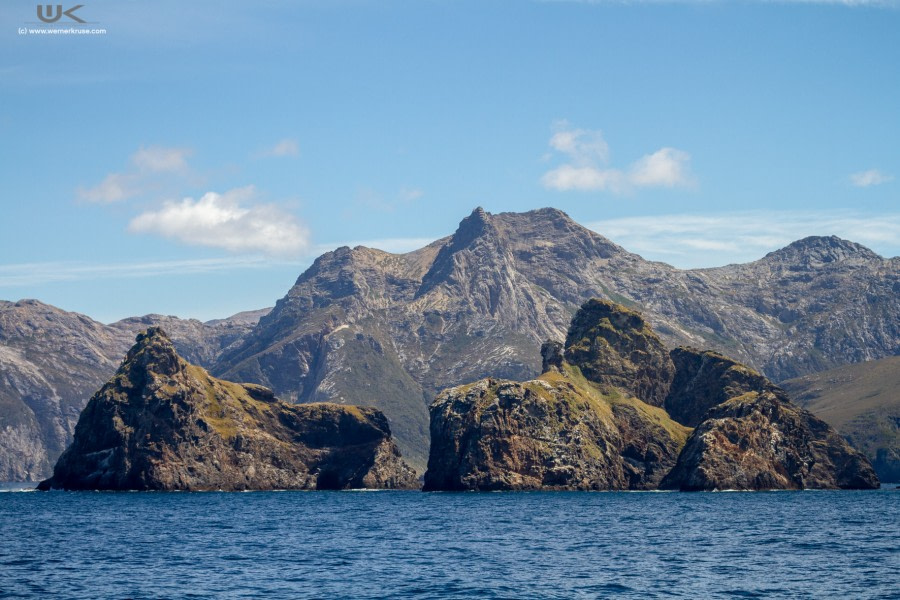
column 386, row 544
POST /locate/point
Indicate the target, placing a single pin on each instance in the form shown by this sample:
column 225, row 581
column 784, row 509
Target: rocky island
column 614, row 410
column 163, row 424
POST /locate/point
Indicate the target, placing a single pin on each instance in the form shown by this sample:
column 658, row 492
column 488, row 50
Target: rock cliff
column 51, row 361
column 163, row 424
column 593, row 420
column 760, row 441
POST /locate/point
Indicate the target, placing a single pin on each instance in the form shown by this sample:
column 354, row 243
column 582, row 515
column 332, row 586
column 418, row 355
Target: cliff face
column 580, row 425
column 554, row 432
column 615, row 348
column 704, row 379
column 163, row 424
column 51, row 361
column 760, row 441
column 592, row 420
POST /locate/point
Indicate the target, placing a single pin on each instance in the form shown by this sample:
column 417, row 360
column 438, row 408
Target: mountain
column 861, row 401
column 367, row 327
column 51, row 361
column 594, row 420
column 162, row 423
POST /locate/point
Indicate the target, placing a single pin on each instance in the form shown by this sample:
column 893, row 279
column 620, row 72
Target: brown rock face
column 761, row 441
column 615, row 348
column 163, row 424
column 556, row 432
column 594, row 420
column 704, row 379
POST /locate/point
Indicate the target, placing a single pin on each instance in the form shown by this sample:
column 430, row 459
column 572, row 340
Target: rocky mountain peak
column 152, row 353
column 817, row 251
column 615, row 347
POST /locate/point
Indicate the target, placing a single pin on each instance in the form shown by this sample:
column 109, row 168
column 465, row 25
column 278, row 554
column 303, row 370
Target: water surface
column 442, row 545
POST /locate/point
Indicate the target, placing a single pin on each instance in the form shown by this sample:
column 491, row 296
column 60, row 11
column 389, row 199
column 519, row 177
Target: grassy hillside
column 862, row 401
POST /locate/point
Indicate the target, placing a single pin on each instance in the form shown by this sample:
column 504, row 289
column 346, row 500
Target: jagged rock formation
column 614, row 347
column 555, row 432
column 51, row 361
column 861, row 401
column 362, row 326
column 760, row 441
column 704, row 379
column 580, row 425
column 477, row 303
column 590, row 421
column 163, row 424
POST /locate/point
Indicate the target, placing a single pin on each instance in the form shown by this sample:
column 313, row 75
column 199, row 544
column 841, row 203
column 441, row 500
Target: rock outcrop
column 163, row 424
column 615, row 348
column 760, row 441
column 704, row 379
column 51, row 361
column 593, row 420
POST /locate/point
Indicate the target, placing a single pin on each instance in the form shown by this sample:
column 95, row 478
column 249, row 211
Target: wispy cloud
column 285, row 147
column 369, row 198
column 870, row 178
column 157, row 159
column 29, row 274
column 115, row 187
column 718, row 239
column 232, row 221
column 587, row 165
column 147, row 165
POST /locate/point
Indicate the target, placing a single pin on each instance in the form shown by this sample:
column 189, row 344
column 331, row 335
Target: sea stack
column 163, row 424
column 613, row 410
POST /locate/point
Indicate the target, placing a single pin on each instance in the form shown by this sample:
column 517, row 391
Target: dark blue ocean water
column 416, row 545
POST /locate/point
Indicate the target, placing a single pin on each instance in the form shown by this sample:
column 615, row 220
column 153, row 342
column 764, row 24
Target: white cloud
column 870, row 178
column 285, row 147
column 583, row 146
column 667, row 167
column 115, row 187
column 148, row 166
column 157, row 159
column 587, row 170
column 227, row 221
column 718, row 239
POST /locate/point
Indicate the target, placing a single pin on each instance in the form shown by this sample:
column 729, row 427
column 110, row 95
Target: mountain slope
column 478, row 303
column 861, row 401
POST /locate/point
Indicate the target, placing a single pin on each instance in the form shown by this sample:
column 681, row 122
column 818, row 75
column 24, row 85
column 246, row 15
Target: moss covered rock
column 163, row 424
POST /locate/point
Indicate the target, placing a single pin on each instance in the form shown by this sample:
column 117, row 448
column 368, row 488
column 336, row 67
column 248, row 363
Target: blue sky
column 193, row 160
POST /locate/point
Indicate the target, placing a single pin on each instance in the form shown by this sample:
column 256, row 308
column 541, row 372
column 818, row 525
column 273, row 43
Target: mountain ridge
column 367, row 327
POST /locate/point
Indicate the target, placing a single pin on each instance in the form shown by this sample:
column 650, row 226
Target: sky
column 194, row 158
